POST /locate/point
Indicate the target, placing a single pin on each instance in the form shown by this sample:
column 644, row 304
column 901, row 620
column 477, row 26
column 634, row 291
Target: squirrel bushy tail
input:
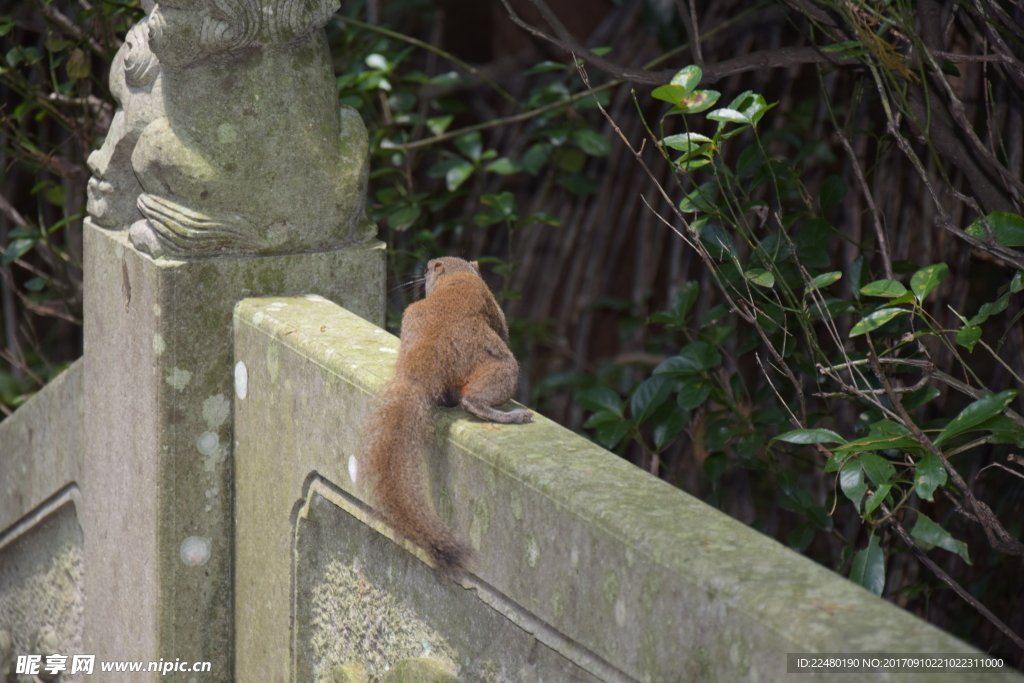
column 397, row 433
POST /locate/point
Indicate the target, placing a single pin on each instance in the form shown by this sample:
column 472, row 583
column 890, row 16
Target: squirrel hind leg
column 492, row 384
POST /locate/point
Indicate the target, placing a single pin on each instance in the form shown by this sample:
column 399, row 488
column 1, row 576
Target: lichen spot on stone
column 207, row 443
column 158, row 344
column 216, row 410
column 532, row 551
column 241, row 380
column 195, row 550
column 353, row 468
column 179, row 378
column 226, row 133
column 157, row 310
column 384, row 349
column 574, row 557
column 620, row 612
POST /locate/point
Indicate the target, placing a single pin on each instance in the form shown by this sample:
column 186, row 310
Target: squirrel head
column 438, row 268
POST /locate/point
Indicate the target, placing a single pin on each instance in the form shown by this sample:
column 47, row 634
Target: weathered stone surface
column 229, row 138
column 157, row 479
column 41, row 596
column 41, row 447
column 615, row 575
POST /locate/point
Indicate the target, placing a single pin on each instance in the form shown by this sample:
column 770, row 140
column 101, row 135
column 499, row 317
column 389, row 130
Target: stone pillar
column 230, row 170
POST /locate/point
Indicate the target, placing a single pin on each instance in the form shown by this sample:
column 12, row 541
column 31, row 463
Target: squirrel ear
column 438, row 267
column 476, row 265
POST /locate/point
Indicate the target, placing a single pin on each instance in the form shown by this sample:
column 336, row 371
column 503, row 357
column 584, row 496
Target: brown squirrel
column 454, row 352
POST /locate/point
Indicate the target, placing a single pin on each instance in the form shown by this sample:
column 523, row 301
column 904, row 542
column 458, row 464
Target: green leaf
column 851, row 481
column 670, row 93
column 693, row 358
column 648, row 397
column 439, row 124
column 471, row 145
column 36, row 284
column 931, row 474
column 694, row 391
column 927, row 531
column 687, row 78
column 869, row 567
column 667, row 425
column 760, row 277
column 824, row 280
column 683, row 300
column 990, row 309
column 536, row 156
column 504, row 204
column 77, row 65
column 686, row 142
column 832, row 192
column 456, row 175
column 591, row 142
column 916, row 399
column 876, row 320
column 726, row 115
column 976, row 413
column 876, row 498
column 887, row 288
column 579, row 184
column 544, row 67
column 599, row 399
column 715, row 466
column 503, row 166
column 879, row 470
column 403, row 217
column 610, row 434
column 968, row 336
column 1003, row 428
column 696, row 102
column 16, row 249
column 600, row 418
column 810, row 436
column 857, row 273
column 927, row 279
column 1017, row 283
column 1008, row 229
column 801, row 537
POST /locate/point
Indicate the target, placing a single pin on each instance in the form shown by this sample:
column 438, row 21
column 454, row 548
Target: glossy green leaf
column 832, row 192
column 695, row 357
column 1017, row 283
column 591, row 142
column 715, row 466
column 77, row 65
column 876, row 320
column 1003, row 429
column 697, row 101
column 760, row 277
column 976, row 413
column 916, row 399
column 669, row 93
column 503, row 166
column 600, row 398
column 686, row 142
column 990, row 309
column 667, row 424
column 968, row 336
column 1008, row 229
column 403, row 217
column 457, row 175
column 824, row 280
column 851, row 481
column 927, row 279
column 648, row 397
column 810, row 436
column 687, row 78
column 800, row 538
column 876, row 498
column 544, row 67
column 886, row 288
column 869, row 567
column 470, row 144
column 879, row 470
column 726, row 115
column 694, row 391
column 928, row 532
column 610, row 434
column 931, row 474
column 439, row 124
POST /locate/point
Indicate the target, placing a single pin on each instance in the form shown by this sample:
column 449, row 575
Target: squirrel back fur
column 454, row 351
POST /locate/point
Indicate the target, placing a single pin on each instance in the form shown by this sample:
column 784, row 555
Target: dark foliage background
column 488, row 145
